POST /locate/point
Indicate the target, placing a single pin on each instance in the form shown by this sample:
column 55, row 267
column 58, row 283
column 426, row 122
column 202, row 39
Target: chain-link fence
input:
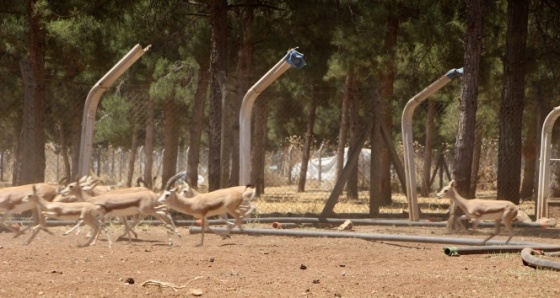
column 119, row 155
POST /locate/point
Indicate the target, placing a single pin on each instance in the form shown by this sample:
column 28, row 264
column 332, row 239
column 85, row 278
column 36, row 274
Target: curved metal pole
column 544, row 161
column 92, row 100
column 292, row 58
column 406, row 126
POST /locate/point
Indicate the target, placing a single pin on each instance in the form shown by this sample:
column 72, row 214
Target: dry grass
column 286, row 199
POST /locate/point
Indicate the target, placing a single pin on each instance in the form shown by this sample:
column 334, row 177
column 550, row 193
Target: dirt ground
column 266, row 266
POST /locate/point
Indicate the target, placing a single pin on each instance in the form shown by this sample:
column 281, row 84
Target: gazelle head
column 86, row 183
column 32, row 197
column 167, row 195
column 447, row 191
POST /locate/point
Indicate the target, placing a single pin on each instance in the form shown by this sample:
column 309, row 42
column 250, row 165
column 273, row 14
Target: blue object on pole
column 295, row 59
column 455, row 73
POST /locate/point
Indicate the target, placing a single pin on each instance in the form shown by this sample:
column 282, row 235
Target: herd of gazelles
column 89, row 203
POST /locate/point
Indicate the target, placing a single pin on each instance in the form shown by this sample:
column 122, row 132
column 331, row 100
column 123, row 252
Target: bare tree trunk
column 542, row 110
column 149, row 143
column 344, row 122
column 529, row 157
column 511, row 108
column 132, row 160
column 477, row 151
column 355, row 130
column 427, row 171
column 195, row 129
column 259, row 142
column 32, row 166
column 243, row 82
column 75, row 135
column 464, row 144
column 170, row 142
column 64, row 151
column 311, row 113
column 376, row 141
column 218, row 73
column 387, row 76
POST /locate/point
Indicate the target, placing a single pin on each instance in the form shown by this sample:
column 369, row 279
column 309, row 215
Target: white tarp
column 325, row 168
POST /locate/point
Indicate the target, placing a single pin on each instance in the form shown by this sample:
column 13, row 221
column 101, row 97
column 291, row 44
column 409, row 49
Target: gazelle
column 477, row 210
column 140, row 202
column 218, row 202
column 84, row 211
column 11, row 202
column 245, row 208
column 73, row 193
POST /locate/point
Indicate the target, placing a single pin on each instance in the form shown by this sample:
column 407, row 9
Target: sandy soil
column 266, row 266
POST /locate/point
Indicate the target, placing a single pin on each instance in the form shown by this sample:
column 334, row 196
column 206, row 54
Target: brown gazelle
column 11, row 202
column 83, row 211
column 204, row 205
column 477, row 210
column 141, row 202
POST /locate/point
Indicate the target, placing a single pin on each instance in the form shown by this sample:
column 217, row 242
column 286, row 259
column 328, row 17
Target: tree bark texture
column 429, row 132
column 149, row 144
column 195, row 129
column 76, row 132
column 464, row 145
column 512, row 104
column 259, row 146
column 355, row 131
column 376, row 141
column 477, row 151
column 529, row 153
column 170, row 142
column 32, row 145
column 308, row 142
column 131, row 160
column 244, row 58
column 344, row 122
column 218, row 74
column 387, row 76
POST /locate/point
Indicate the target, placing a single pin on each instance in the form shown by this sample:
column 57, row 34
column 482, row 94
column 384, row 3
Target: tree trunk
column 376, row 141
column 218, row 75
column 195, row 129
column 149, row 144
column 387, row 76
column 259, row 142
column 311, row 113
column 355, row 129
column 511, row 108
column 542, row 110
column 244, row 57
column 132, row 159
column 464, row 144
column 170, row 142
column 32, row 146
column 529, row 152
column 344, row 122
column 64, row 151
column 427, row 171
column 75, row 135
column 477, row 150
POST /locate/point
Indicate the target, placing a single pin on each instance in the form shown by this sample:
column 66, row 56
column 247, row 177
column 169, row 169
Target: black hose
column 365, row 236
column 457, row 251
column 537, row 263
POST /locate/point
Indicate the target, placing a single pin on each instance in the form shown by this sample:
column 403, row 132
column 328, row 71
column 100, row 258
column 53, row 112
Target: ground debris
column 163, row 284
